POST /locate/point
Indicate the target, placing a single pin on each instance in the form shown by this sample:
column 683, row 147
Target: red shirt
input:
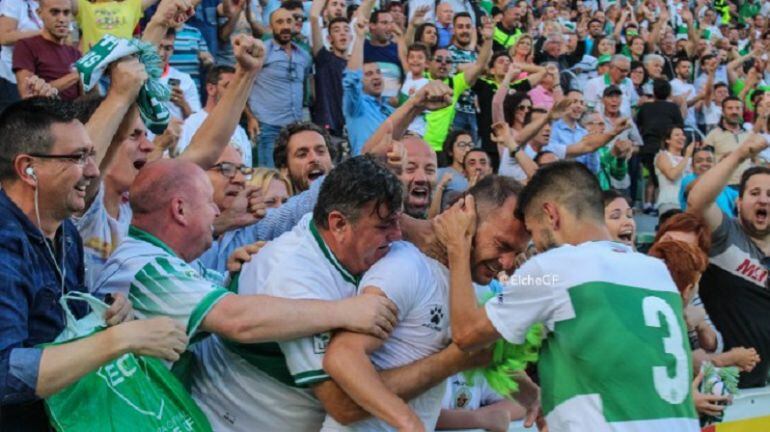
column 48, row 60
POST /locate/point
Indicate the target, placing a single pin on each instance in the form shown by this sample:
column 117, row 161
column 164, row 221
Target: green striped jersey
column 158, row 282
column 616, row 357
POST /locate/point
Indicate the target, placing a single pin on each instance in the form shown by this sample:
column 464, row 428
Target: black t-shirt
column 735, row 292
column 485, row 91
column 653, row 120
column 327, row 109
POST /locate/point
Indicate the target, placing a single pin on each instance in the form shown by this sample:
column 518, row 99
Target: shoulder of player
column 403, row 257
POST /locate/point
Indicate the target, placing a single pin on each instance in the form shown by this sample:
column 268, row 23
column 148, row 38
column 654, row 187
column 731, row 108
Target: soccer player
column 616, row 356
column 419, row 286
column 283, row 387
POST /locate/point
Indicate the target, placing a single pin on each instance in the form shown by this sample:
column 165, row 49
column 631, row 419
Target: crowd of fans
column 306, row 139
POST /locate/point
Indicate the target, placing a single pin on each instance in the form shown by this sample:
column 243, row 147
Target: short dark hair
column 336, row 20
column 611, row 195
column 539, row 156
column 170, row 32
column 26, row 128
column 375, row 16
column 680, row 60
column 281, row 149
column 720, row 84
column 661, row 89
column 569, row 183
column 491, row 192
column 461, row 15
column 496, row 56
column 214, row 73
column 748, row 174
column 731, row 99
column 355, row 183
column 448, row 146
column 474, row 150
column 421, row 47
column 292, row 5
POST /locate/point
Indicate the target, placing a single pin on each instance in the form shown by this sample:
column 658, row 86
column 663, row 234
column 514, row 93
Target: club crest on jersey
column 320, row 342
column 436, row 317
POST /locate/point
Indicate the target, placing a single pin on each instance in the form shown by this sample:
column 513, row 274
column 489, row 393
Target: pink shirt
column 541, row 98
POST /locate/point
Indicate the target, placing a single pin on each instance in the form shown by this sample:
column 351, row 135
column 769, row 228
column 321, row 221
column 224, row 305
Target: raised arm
column 231, row 10
column 709, row 185
column 534, row 127
column 671, row 171
column 127, row 76
column 317, row 41
column 474, row 72
column 591, row 143
column 502, row 135
column 214, row 134
column 168, row 14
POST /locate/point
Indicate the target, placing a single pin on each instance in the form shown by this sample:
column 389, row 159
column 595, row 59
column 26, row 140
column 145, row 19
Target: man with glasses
column 48, row 161
column 620, row 66
column 278, row 93
column 217, row 80
column 439, row 122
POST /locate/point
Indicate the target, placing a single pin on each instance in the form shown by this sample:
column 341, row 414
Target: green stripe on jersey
column 204, row 307
column 626, row 344
column 310, row 377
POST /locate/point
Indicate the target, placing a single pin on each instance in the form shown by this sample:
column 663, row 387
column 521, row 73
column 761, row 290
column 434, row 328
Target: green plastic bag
column 131, row 393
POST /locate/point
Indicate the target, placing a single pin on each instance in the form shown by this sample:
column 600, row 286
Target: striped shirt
column 188, row 44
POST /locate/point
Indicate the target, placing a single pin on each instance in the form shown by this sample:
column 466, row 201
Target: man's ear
column 552, row 214
column 337, row 224
column 179, row 211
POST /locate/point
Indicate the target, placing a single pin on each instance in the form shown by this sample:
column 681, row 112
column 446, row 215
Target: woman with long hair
column 672, row 163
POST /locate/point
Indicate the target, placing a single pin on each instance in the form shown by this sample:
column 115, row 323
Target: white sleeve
column 190, row 92
column 527, row 299
column 11, row 9
column 397, row 274
column 488, row 396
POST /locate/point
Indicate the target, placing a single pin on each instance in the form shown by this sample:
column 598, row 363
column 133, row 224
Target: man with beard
column 682, row 88
column 303, row 153
column 462, row 58
column 439, row 121
column 217, row 80
column 287, row 67
column 419, row 286
column 48, row 55
column 418, row 177
column 734, row 286
column 729, row 135
column 283, row 387
column 608, row 289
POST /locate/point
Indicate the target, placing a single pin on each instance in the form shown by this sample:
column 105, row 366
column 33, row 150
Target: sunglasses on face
column 524, row 108
column 442, row 59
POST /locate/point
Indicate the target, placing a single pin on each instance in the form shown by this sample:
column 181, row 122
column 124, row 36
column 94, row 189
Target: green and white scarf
column 153, row 93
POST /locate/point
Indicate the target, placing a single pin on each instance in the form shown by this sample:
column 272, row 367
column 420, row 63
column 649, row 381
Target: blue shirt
column 276, row 98
column 725, row 200
column 30, row 288
column 562, row 134
column 276, row 222
column 444, row 35
column 363, row 113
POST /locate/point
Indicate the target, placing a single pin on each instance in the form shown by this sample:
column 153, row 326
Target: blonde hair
column 263, row 176
column 512, row 49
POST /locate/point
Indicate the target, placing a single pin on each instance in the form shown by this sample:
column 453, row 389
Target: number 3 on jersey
column 672, row 389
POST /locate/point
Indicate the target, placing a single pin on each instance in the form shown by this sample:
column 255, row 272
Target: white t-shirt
column 237, row 394
column 24, row 12
column 101, row 234
column 419, row 286
column 510, row 167
column 191, row 125
column 601, row 301
column 189, row 89
column 682, row 88
column 409, row 88
column 462, row 394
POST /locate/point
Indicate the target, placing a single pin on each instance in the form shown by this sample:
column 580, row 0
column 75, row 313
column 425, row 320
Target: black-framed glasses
column 229, row 170
column 79, row 158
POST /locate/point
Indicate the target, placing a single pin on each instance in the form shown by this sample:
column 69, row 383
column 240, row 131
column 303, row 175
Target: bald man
column 173, row 213
column 419, row 177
